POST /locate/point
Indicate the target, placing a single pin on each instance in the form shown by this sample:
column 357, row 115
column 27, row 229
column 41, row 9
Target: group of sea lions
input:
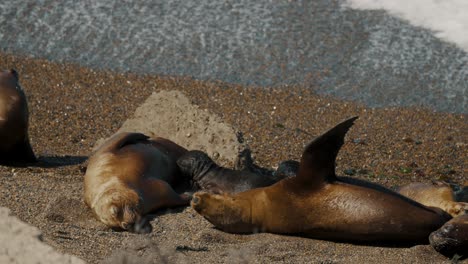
column 132, row 175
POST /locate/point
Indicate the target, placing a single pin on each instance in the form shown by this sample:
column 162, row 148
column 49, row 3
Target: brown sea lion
column 452, row 238
column 205, row 174
column 436, row 194
column 316, row 204
column 131, row 175
column 14, row 144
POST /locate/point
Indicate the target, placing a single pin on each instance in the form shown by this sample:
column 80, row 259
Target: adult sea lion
column 131, row 175
column 452, row 237
column 14, row 143
column 205, row 174
column 436, row 194
column 316, row 204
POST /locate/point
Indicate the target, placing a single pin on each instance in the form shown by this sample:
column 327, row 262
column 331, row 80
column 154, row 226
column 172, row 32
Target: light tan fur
column 130, row 176
column 436, row 194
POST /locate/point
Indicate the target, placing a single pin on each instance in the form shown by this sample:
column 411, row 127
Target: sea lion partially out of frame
column 436, row 194
column 452, row 238
column 14, row 115
column 130, row 176
column 317, row 204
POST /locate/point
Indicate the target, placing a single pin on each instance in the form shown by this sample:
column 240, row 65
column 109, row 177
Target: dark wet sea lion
column 452, row 238
column 436, row 194
column 317, row 204
column 130, row 176
column 14, row 115
column 205, row 174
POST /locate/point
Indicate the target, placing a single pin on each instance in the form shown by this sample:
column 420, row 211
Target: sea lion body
column 317, row 204
column 131, row 176
column 452, row 237
column 207, row 175
column 437, row 194
column 14, row 115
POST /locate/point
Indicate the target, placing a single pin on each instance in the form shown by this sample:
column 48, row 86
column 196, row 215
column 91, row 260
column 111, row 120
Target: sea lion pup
column 452, row 237
column 436, row 194
column 14, row 144
column 316, row 204
column 205, row 174
column 131, row 175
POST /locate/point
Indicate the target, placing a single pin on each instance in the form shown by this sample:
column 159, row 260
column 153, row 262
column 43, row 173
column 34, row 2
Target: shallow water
column 367, row 56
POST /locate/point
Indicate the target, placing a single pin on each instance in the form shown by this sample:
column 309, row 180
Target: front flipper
column 159, row 194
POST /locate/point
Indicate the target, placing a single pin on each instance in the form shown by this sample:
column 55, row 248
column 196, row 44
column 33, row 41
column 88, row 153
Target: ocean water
column 363, row 55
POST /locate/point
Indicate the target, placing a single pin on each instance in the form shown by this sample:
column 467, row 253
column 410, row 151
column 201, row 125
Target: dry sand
column 73, row 107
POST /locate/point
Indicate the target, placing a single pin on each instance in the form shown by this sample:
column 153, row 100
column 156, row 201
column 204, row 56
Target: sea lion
column 316, row 204
column 205, row 174
column 131, row 175
column 452, row 238
column 14, row 115
column 436, row 194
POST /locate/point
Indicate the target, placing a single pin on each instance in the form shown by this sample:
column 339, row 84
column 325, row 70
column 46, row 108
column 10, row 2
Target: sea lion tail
column 318, row 159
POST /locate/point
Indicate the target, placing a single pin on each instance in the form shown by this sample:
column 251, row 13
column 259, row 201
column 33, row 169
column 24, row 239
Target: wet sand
column 72, row 107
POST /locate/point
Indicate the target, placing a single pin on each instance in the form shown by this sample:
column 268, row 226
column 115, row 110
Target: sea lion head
column 228, row 213
column 452, row 237
column 122, row 210
column 195, row 164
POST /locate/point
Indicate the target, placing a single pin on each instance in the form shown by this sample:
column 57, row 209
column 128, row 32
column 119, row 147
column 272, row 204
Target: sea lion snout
column 195, row 200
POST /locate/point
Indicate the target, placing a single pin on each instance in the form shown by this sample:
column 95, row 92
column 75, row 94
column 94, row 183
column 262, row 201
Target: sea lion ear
column 318, row 160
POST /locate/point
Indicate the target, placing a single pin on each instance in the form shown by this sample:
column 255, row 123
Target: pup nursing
column 130, row 176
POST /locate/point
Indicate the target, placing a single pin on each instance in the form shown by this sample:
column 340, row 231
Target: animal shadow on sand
column 48, row 162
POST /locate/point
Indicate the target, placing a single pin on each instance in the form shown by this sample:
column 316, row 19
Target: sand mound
column 170, row 114
column 22, row 243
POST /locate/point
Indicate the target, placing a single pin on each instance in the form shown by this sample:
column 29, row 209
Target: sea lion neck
column 318, row 159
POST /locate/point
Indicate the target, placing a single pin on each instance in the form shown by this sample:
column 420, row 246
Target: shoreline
column 71, row 107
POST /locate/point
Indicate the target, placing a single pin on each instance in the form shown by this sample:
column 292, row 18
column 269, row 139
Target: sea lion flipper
column 318, row 159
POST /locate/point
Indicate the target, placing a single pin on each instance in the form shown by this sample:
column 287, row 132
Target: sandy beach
column 72, row 107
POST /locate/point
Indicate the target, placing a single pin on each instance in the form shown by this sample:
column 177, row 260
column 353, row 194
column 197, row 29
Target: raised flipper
column 318, row 160
column 123, row 139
